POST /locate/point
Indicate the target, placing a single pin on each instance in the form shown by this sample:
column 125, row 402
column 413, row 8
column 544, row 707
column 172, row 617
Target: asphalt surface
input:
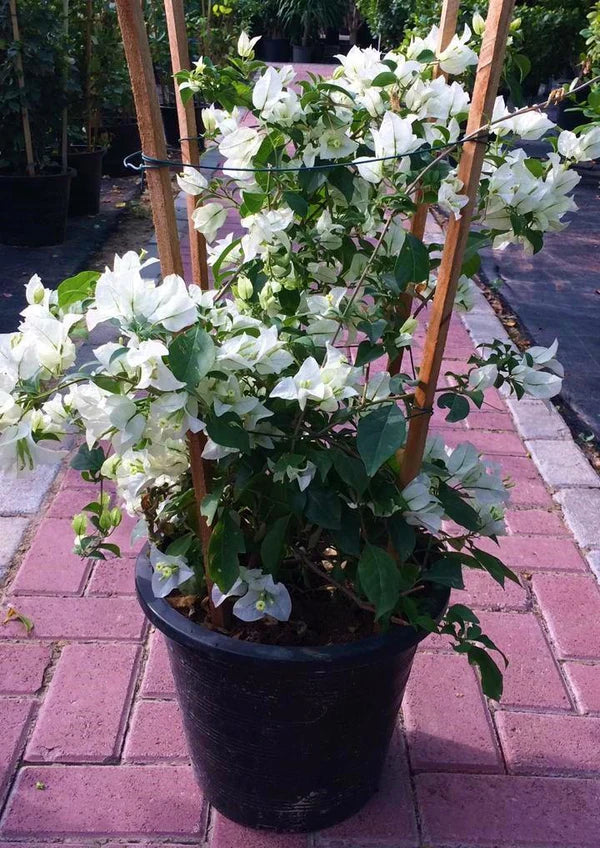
column 556, row 294
column 85, row 235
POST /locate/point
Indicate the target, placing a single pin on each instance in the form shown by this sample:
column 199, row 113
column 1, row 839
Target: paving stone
column 158, row 680
column 122, row 538
column 536, row 419
column 69, row 501
column 593, row 559
column 561, row 463
column 582, row 513
column 458, row 737
column 531, row 493
column 51, row 567
column 15, row 718
column 12, row 531
column 549, row 744
column 156, row 733
column 104, row 801
column 535, row 522
column 585, row 682
column 112, row 577
column 82, row 719
column 78, row 618
column 519, row 468
column 22, row 667
column 483, row 420
column 72, row 479
column 388, row 819
column 532, row 678
column 571, row 607
column 497, row 810
column 228, row 834
column 488, row 442
column 25, row 495
column 482, row 592
column 535, row 553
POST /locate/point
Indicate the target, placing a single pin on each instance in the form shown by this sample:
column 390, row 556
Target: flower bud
column 79, row 524
column 478, row 24
column 104, row 520
column 115, row 516
column 245, row 288
column 515, row 25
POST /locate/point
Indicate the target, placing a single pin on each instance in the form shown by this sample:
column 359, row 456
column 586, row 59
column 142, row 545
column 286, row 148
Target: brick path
column 91, row 745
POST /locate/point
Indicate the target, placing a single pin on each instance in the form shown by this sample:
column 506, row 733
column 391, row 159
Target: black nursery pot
column 285, row 738
column 85, row 187
column 124, row 139
column 33, row 210
column 171, row 125
column 275, row 49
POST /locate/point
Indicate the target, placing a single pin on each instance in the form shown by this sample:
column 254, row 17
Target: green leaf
column 75, row 289
column 273, row 545
column 447, row 572
column 88, row 460
column 379, row 435
column 402, row 535
column 180, row 547
column 351, row 470
column 347, row 538
column 491, row 676
column 210, row 502
column 227, row 430
column 252, row 202
column 457, row 508
column 296, row 203
column 384, row 78
column 226, row 543
column 310, row 180
column 495, row 567
column 343, row 180
column 191, row 356
column 380, row 579
column 323, row 507
column 367, row 352
column 457, row 405
column 109, row 384
column 412, row 264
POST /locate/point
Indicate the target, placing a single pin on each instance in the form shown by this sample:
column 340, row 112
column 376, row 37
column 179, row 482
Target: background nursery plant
column 297, row 373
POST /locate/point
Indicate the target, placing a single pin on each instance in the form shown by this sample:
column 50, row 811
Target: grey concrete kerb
column 563, row 466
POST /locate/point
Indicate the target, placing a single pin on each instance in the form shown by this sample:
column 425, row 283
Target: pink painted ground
column 91, row 746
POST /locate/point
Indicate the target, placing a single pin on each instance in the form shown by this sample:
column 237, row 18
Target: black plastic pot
column 124, row 139
column 568, row 116
column 171, row 125
column 85, row 186
column 301, row 55
column 33, row 210
column 286, row 739
column 275, row 49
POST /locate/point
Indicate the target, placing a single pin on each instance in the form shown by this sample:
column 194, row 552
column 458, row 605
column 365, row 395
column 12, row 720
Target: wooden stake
column 447, row 29
column 30, row 163
column 137, row 52
column 186, row 116
column 469, row 171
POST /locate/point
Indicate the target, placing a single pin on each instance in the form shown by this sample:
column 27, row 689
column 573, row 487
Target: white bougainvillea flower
column 360, row 67
column 245, row 45
column 191, row 181
column 306, row 385
column 302, row 474
column 335, row 144
column 258, row 595
column 208, row 219
column 457, row 56
column 580, row 148
column 395, row 137
column 169, row 572
column 20, row 451
column 422, row 508
column 528, row 126
column 449, row 196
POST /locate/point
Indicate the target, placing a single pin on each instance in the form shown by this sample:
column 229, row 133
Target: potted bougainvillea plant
column 292, row 631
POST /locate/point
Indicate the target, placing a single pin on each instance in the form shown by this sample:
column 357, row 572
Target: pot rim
column 70, row 172
column 191, row 634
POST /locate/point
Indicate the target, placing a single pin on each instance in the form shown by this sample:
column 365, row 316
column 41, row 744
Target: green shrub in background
column 387, row 19
column 44, row 57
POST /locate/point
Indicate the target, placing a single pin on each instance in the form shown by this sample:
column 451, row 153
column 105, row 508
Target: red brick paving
column 90, row 693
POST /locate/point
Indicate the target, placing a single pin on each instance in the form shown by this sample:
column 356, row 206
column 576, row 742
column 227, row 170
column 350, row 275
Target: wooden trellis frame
column 152, row 136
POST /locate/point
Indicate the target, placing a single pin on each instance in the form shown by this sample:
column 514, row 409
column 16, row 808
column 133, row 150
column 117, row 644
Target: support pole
column 137, row 52
column 30, row 163
column 186, row 116
column 447, row 29
column 487, row 79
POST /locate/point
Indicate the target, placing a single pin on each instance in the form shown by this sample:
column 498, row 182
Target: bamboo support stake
column 186, row 116
column 487, row 79
column 30, row 163
column 446, row 33
column 137, row 52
